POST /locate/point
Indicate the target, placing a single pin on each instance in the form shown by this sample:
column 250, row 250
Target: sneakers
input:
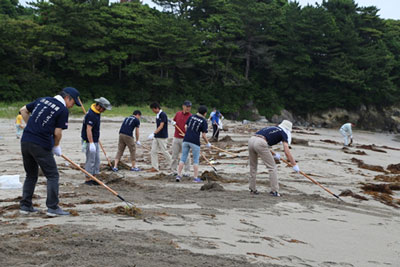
column 178, row 178
column 91, row 182
column 274, row 194
column 186, row 175
column 197, row 180
column 135, row 169
column 27, row 210
column 114, row 169
column 56, row 212
column 254, row 192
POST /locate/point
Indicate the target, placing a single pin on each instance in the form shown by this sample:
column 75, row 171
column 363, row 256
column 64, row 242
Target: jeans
column 186, row 146
column 34, row 156
column 176, row 149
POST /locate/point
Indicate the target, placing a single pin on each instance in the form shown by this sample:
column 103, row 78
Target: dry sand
column 181, row 225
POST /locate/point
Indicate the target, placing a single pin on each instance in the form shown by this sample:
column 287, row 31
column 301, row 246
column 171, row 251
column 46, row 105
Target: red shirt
column 180, row 119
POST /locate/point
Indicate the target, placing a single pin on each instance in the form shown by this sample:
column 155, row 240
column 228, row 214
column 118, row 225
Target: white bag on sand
column 10, row 182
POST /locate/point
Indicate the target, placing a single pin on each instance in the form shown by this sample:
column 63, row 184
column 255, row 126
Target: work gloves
column 296, row 168
column 138, row 143
column 173, row 123
column 151, row 136
column 208, row 145
column 92, row 147
column 277, row 156
column 57, row 150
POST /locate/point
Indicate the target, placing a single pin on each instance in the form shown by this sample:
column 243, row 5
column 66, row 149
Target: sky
column 389, row 9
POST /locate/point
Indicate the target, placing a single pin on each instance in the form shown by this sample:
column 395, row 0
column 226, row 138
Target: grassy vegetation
column 10, row 110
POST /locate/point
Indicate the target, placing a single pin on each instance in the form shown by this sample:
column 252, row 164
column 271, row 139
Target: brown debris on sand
column 18, row 199
column 109, row 177
column 371, row 147
column 226, row 138
column 357, row 152
column 212, row 187
column 349, row 193
column 129, row 211
column 304, row 132
column 211, row 176
column 388, row 178
column 90, row 201
column 298, row 141
column 330, row 141
column 383, row 188
column 394, row 168
column 362, row 165
column 9, row 207
column 162, row 176
column 73, row 212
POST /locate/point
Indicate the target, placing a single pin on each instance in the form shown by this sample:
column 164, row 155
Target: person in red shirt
column 179, row 121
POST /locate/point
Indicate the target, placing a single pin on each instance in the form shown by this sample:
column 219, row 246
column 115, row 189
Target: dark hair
column 64, row 94
column 19, row 112
column 154, row 105
column 137, row 112
column 202, row 110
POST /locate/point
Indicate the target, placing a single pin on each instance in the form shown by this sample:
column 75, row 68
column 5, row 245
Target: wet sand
column 181, row 225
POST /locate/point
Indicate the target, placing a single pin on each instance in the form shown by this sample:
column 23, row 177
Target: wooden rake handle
column 91, row 176
column 309, row 178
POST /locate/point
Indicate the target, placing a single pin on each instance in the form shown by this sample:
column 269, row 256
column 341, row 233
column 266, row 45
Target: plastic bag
column 10, row 182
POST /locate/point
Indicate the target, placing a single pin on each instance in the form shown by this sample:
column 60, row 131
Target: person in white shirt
column 347, row 133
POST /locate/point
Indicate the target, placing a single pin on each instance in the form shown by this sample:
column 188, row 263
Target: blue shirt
column 47, row 114
column 274, row 135
column 129, row 124
column 164, row 131
column 215, row 118
column 195, row 125
column 93, row 119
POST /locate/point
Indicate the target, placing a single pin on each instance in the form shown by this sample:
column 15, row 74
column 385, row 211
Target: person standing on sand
column 90, row 137
column 195, row 125
column 18, row 125
column 347, row 133
column 179, row 121
column 216, row 120
column 45, row 119
column 126, row 139
column 259, row 145
column 159, row 137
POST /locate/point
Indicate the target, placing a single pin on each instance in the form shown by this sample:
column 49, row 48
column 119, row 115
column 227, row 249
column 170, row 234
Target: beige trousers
column 176, row 150
column 126, row 141
column 159, row 145
column 259, row 147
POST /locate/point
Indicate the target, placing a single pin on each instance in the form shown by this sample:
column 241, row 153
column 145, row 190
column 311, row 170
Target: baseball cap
column 72, row 92
column 187, row 103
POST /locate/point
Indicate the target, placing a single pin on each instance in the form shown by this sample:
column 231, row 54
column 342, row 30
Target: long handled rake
column 100, row 144
column 129, row 204
column 311, row 179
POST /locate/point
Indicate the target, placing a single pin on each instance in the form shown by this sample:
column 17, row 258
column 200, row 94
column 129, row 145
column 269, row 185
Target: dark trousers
column 34, row 156
column 215, row 132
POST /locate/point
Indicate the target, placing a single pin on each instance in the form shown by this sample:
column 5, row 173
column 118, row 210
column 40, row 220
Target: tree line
column 225, row 53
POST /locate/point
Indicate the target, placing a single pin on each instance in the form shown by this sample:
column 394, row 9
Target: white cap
column 103, row 102
column 286, row 126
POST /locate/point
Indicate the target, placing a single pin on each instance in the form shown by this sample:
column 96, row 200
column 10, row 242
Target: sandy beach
column 181, row 225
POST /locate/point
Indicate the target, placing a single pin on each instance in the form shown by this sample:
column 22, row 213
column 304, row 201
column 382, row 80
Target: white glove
column 208, row 145
column 351, row 137
column 173, row 123
column 57, row 150
column 296, row 168
column 277, row 156
column 138, row 143
column 92, row 147
column 151, row 136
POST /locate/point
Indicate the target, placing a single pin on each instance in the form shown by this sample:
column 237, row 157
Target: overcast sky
column 389, row 9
